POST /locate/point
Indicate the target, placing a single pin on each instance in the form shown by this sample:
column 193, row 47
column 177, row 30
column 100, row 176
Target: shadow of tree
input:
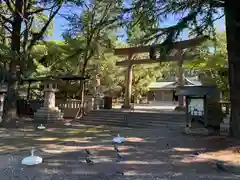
column 148, row 154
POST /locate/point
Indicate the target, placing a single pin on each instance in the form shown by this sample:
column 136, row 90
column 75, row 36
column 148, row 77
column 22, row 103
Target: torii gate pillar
column 128, row 85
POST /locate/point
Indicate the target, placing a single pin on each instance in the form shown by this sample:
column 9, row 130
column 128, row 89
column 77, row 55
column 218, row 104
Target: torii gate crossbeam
column 179, row 56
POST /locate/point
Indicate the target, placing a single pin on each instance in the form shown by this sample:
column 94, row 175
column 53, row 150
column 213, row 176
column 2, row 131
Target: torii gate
column 179, row 56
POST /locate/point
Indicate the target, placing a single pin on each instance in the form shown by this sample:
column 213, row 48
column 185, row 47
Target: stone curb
column 228, row 167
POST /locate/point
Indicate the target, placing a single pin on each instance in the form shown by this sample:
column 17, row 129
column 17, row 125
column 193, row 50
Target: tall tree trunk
column 232, row 16
column 81, row 92
column 10, row 105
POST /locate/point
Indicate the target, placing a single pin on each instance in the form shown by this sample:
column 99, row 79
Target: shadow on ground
column 148, row 154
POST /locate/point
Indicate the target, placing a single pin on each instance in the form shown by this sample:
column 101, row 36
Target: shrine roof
column 65, row 78
column 196, row 90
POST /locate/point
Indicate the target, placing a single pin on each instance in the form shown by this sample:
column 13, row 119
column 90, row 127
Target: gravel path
column 148, row 154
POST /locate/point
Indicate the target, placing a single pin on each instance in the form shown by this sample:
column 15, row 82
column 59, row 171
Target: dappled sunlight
column 189, row 160
column 77, row 140
column 51, row 129
column 223, row 155
column 146, row 174
column 93, row 131
column 5, row 135
column 78, row 171
column 106, row 130
column 8, row 148
column 52, row 151
column 31, row 135
column 98, row 147
column 54, row 163
column 103, row 135
column 63, row 150
column 106, row 141
column 46, row 139
column 186, row 149
column 142, row 162
column 134, row 139
column 28, row 130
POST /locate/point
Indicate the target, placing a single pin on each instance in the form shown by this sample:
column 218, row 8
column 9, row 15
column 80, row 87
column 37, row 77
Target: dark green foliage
column 197, row 16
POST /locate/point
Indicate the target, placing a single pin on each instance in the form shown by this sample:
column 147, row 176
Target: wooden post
column 128, row 85
column 180, row 76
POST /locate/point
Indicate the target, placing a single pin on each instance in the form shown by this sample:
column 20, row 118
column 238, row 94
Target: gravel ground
column 148, row 154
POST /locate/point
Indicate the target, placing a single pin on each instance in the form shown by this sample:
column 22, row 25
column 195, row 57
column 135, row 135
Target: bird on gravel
column 115, row 148
column 87, row 151
column 220, row 166
column 119, row 158
column 196, row 153
column 89, row 161
column 120, row 173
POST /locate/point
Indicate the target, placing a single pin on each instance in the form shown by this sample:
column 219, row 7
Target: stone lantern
column 97, row 92
column 49, row 112
column 3, row 91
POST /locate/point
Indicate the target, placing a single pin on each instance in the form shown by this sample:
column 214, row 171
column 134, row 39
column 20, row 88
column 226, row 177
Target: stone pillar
column 90, row 103
column 96, row 93
column 180, row 76
column 49, row 99
column 48, row 112
column 3, row 91
column 128, row 85
column 2, row 95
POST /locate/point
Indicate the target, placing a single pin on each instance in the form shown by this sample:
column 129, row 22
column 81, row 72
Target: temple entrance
column 178, row 54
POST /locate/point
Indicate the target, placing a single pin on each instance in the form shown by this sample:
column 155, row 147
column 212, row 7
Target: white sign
column 196, row 107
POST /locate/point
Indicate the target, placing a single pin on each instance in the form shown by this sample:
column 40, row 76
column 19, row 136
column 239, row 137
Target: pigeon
column 89, row 161
column 196, row 153
column 87, row 151
column 116, row 149
column 120, row 173
column 119, row 157
column 220, row 166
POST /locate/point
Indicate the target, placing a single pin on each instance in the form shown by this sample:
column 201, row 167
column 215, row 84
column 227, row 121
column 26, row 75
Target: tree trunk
column 232, row 16
column 81, row 92
column 10, row 103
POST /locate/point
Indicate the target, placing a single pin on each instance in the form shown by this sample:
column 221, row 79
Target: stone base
column 225, row 126
column 196, row 131
column 224, row 129
column 45, row 114
column 180, row 109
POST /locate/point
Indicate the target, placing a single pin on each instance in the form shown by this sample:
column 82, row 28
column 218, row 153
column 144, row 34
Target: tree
column 199, row 17
column 211, row 62
column 17, row 18
column 91, row 29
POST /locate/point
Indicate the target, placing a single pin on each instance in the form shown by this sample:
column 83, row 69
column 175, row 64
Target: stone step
column 98, row 119
column 136, row 113
column 133, row 123
column 138, row 125
column 134, row 119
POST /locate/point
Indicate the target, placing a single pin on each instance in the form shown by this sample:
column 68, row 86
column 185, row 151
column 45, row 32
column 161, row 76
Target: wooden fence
column 68, row 107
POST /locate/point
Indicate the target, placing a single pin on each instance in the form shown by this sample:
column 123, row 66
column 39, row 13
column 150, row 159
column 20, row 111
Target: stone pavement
column 149, row 154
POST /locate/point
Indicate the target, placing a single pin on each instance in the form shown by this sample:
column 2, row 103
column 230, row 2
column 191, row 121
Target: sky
column 61, row 25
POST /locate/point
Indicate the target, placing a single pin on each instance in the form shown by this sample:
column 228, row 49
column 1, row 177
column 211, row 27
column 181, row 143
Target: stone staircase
column 134, row 119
